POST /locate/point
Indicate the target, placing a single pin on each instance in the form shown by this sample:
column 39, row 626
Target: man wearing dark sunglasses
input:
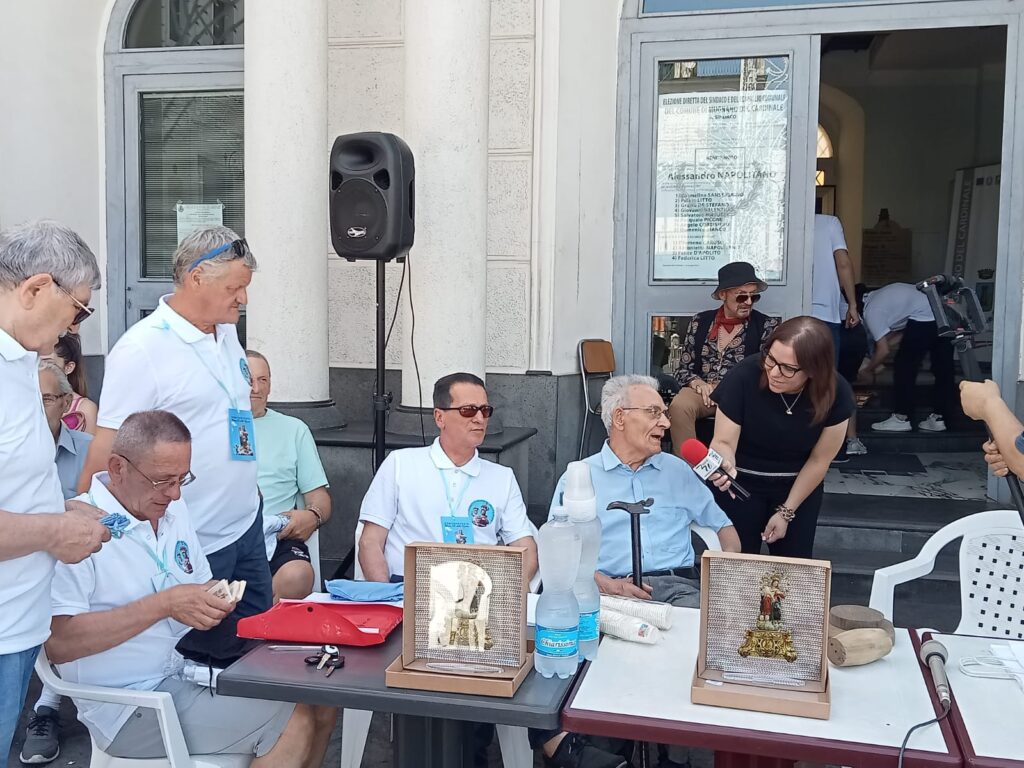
column 716, row 340
column 47, row 276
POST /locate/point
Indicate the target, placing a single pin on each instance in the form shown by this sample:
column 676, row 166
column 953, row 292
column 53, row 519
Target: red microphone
column 706, row 462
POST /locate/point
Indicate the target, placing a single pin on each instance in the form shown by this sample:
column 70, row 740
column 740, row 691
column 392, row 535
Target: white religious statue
column 460, row 597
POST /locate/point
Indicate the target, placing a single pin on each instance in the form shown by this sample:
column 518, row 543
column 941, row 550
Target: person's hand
column 194, row 606
column 975, row 396
column 622, row 587
column 994, row 459
column 775, row 530
column 852, row 317
column 721, row 479
column 301, row 524
column 704, row 389
column 79, row 533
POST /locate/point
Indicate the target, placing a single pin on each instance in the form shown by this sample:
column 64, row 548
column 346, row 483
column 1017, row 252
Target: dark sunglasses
column 240, row 248
column 84, row 312
column 469, row 411
column 743, row 298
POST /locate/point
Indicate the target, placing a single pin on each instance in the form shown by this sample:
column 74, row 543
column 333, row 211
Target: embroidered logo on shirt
column 246, row 373
column 181, row 556
column 482, row 513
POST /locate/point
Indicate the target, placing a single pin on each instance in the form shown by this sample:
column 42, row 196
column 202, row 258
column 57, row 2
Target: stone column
column 286, row 161
column 447, row 56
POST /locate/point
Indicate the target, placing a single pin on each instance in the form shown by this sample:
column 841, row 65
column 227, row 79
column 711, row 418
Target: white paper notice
column 193, row 216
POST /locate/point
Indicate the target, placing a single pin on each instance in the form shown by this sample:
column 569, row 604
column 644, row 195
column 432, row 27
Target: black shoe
column 574, row 752
column 42, row 738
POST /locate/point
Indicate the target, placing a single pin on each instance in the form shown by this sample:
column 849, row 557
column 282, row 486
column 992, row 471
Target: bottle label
column 557, row 642
column 588, row 626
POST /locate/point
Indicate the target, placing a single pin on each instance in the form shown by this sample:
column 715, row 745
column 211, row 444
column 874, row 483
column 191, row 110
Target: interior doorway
column 909, row 152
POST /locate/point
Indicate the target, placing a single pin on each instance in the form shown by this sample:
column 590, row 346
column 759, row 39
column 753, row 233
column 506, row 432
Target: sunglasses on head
column 743, row 298
column 83, row 313
column 469, row 411
column 240, row 248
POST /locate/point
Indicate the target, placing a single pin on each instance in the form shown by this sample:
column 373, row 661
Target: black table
column 431, row 729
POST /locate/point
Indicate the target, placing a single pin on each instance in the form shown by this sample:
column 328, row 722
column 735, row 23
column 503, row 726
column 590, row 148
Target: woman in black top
column 781, row 420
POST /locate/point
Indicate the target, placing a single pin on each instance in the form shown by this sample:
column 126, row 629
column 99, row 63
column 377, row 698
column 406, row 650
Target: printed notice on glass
column 721, row 183
column 193, row 216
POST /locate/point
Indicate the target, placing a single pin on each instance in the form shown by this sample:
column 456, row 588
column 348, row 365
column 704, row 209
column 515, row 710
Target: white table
column 643, row 691
column 988, row 714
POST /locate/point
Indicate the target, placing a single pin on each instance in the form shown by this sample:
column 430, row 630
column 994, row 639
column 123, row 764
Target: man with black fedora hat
column 716, row 340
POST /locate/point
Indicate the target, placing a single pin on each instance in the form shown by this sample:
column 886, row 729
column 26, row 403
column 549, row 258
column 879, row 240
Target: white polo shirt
column 164, row 362
column 120, row 573
column 826, row 296
column 888, row 309
column 414, row 487
column 28, row 485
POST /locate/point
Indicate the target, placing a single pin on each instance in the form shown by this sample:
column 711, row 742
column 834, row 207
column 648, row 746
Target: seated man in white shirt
column 443, row 492
column 118, row 616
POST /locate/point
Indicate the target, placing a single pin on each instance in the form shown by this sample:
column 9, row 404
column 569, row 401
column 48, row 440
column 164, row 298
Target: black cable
column 903, row 746
column 387, row 340
column 412, row 347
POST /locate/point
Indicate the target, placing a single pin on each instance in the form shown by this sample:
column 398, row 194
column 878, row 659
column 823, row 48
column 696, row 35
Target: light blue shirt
column 72, row 446
column 680, row 498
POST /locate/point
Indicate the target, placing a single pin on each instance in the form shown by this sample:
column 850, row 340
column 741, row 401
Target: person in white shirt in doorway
column 185, row 358
column 47, row 276
column 445, row 491
column 118, row 616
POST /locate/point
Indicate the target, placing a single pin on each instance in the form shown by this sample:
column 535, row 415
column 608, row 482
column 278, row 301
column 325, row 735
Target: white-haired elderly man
column 118, row 616
column 185, row 358
column 47, row 276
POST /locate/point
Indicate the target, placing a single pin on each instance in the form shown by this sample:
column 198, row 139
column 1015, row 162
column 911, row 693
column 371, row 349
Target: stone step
column 919, row 441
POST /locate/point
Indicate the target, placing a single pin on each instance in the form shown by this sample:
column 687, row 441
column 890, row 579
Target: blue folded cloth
column 365, row 591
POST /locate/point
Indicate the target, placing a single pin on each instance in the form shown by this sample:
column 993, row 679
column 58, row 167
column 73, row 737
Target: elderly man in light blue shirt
column 72, row 445
column 631, row 467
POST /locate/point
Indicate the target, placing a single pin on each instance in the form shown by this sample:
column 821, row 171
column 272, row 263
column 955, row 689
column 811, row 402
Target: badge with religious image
column 481, row 512
column 770, row 638
column 181, row 556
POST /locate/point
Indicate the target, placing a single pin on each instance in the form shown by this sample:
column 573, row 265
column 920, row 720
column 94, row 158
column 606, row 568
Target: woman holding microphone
column 781, row 420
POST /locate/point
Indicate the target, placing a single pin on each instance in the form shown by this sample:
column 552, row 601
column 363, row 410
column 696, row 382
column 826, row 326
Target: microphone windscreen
column 693, row 451
column 933, row 648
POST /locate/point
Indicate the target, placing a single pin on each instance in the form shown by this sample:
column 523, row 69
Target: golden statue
column 770, row 639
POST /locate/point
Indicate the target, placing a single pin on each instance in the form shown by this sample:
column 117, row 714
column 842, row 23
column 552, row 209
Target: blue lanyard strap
column 454, row 508
column 160, row 563
column 209, row 370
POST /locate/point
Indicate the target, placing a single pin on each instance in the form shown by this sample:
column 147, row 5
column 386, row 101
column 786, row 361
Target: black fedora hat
column 736, row 274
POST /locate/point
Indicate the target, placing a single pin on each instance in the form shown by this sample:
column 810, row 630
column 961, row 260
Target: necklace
column 790, row 406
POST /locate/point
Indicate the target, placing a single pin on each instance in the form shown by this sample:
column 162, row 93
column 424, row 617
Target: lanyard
column 454, row 508
column 206, row 365
column 160, row 563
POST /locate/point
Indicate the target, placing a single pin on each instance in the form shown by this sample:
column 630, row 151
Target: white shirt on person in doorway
column 415, row 487
column 888, row 309
column 164, row 362
column 28, row 485
column 826, row 294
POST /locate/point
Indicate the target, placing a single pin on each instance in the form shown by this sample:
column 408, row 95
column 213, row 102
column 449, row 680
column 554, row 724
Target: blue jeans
column 15, row 671
column 836, row 329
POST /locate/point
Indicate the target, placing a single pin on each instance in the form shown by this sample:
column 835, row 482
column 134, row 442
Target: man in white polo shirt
column 185, row 358
column 445, row 491
column 47, row 276
column 118, row 615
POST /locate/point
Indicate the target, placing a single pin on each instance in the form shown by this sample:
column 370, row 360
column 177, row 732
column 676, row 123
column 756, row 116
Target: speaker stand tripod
column 381, row 398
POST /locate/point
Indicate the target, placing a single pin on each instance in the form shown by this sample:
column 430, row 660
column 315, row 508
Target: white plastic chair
column 170, row 727
column 355, row 723
column 991, row 573
column 709, row 536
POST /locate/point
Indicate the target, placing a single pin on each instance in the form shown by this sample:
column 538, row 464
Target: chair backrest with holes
column 992, row 583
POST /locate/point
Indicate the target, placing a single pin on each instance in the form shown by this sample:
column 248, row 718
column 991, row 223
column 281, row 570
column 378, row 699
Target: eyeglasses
column 469, row 411
column 651, row 410
column 84, row 312
column 163, row 485
column 788, row 371
column 240, row 248
column 743, row 298
column 53, row 399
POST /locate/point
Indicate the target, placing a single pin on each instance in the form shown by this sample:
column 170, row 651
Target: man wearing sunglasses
column 185, row 358
column 444, row 492
column 716, row 340
column 47, row 276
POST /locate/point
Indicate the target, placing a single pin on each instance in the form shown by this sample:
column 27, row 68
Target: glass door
column 184, row 169
column 723, row 172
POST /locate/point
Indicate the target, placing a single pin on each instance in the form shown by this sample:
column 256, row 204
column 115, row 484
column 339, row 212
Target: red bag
column 315, row 622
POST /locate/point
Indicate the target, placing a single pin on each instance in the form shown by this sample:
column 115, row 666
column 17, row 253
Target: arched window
column 185, row 23
column 824, row 144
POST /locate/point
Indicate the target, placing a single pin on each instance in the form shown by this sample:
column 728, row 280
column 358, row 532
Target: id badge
column 456, row 530
column 241, row 435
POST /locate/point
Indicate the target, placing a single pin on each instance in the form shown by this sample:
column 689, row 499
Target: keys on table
column 329, row 657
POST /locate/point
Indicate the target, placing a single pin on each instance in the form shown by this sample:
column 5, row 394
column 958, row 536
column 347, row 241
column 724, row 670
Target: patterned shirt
column 711, row 365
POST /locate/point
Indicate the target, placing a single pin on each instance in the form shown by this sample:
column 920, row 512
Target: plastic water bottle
column 581, row 505
column 558, row 613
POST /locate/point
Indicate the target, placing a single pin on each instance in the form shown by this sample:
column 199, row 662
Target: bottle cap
column 578, row 497
column 558, row 513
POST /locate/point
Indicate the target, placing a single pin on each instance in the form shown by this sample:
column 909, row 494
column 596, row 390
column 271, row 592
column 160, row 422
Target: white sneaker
column 895, row 423
column 934, row 423
column 854, row 447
